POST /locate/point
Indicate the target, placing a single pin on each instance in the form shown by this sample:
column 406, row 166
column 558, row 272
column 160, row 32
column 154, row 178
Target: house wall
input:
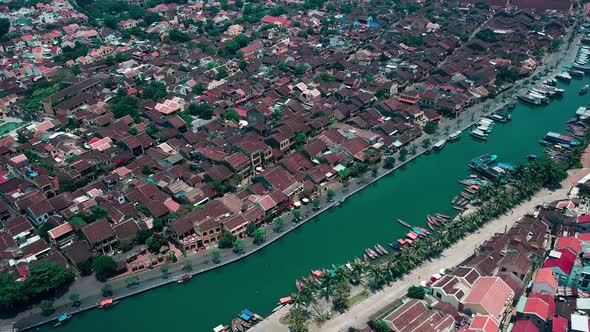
column 440, row 294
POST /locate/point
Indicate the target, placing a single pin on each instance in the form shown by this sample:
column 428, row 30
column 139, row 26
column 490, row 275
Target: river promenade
column 89, row 288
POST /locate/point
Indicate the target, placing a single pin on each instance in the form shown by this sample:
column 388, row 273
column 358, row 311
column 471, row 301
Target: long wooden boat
column 455, row 199
column 442, row 216
column 378, row 250
column 236, row 325
column 404, row 223
column 383, row 249
column 375, row 254
column 431, row 227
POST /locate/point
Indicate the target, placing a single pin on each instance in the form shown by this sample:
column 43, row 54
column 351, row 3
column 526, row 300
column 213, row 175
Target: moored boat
column 62, row 319
column 184, row 277
column 383, row 249
column 221, row 328
column 442, row 216
column 455, row 135
column 584, row 89
column 440, row 144
column 107, row 303
column 404, row 223
column 564, row 76
column 378, row 250
column 485, row 159
column 477, row 133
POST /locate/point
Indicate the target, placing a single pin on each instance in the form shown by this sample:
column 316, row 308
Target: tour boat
column 485, row 159
column 564, row 76
column 477, row 133
column 62, row 319
column 221, row 328
column 455, row 135
column 184, row 277
column 107, row 303
column 575, row 72
column 584, row 89
column 440, row 144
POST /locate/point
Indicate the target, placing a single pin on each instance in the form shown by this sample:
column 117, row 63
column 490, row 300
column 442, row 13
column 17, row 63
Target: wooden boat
column 221, row 328
column 358, row 260
column 404, row 223
column 369, row 254
column 458, row 208
column 107, row 303
column 375, row 254
column 383, row 249
column 378, row 250
column 184, row 277
column 349, row 266
column 455, row 199
column 466, row 195
column 62, row 319
column 236, row 325
column 367, row 261
column 298, row 284
column 442, row 216
column 431, row 227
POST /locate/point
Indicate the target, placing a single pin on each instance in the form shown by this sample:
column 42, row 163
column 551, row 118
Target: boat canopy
column 62, row 318
column 219, row 328
column 106, row 302
column 317, row 273
column 409, row 241
column 245, row 317
column 285, row 300
column 401, row 241
column 412, row 235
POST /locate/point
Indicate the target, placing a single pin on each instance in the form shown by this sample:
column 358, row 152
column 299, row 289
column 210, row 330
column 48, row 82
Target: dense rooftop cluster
column 150, row 122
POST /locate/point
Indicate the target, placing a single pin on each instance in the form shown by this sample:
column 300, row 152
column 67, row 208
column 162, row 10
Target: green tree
column 238, row 246
column 177, row 36
column 164, row 269
column 331, row 194
column 104, row 267
column 426, row 143
column 298, row 318
column 278, row 224
column 151, row 130
column 106, row 290
column 416, row 292
column 151, row 17
column 403, row 154
column 232, row 115
column 75, row 298
column 110, row 21
column 250, row 229
column 216, row 256
column 315, row 203
column 198, row 89
column 131, row 280
column 203, row 110
column 259, row 236
column 300, row 139
column 154, row 90
column 296, row 215
column 389, row 163
column 45, row 278
column 187, row 266
column 430, row 127
column 155, row 242
column 226, row 239
column 46, row 307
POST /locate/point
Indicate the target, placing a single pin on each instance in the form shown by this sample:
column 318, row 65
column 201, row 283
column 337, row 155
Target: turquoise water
column 424, row 186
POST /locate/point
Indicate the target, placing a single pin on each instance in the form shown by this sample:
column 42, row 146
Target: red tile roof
column 560, row 324
column 491, row 293
column 563, row 263
column 545, row 275
column 569, row 242
column 525, row 326
column 481, row 323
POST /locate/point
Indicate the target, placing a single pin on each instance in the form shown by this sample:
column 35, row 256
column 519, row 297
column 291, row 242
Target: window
column 503, row 269
column 438, row 295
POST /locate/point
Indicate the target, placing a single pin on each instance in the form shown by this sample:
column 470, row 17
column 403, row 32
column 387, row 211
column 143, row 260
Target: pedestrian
column 512, row 212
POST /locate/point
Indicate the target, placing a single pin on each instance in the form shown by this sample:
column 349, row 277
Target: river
column 424, row 186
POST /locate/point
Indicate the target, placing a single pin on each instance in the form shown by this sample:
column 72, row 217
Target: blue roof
column 62, row 318
column 248, row 312
column 245, row 317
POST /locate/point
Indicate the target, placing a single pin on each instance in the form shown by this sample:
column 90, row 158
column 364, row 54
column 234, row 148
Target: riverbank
column 263, row 277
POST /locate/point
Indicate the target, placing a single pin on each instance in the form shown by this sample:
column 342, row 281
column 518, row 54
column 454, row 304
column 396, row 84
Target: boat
column 62, row 319
column 378, row 250
column 485, row 159
column 477, row 133
column 512, row 104
column 184, row 277
column 530, row 98
column 383, row 249
column 455, row 199
column 500, row 117
column 236, row 325
column 564, row 76
column 375, row 254
column 575, row 73
column 455, row 135
column 107, row 303
column 369, row 253
column 440, row 144
column 221, row 328
column 556, row 138
column 404, row 223
column 442, row 216
column 584, row 89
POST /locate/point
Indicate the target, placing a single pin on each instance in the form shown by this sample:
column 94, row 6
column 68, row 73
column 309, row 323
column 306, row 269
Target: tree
column 155, row 242
column 315, row 203
column 298, row 319
column 426, row 143
column 389, row 163
column 198, row 89
column 177, row 36
column 403, row 154
column 104, row 267
column 232, row 115
column 430, row 127
column 487, row 35
column 46, row 307
column 4, row 26
column 331, row 194
column 250, row 229
column 187, row 266
column 45, row 278
column 379, row 326
column 413, row 149
column 106, row 290
column 259, row 236
column 416, row 292
column 300, row 139
column 239, row 247
column 278, row 224
column 226, row 240
column 216, row 256
column 203, row 110
column 151, row 17
column 340, row 300
column 154, row 90
column 110, row 21
column 164, row 270
column 296, row 215
column 75, row 298
column 131, row 280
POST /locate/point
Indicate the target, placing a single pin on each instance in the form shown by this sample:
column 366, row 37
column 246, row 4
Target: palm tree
column 326, row 283
column 375, row 275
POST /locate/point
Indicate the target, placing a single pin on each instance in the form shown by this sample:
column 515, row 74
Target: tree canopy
column 104, row 267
